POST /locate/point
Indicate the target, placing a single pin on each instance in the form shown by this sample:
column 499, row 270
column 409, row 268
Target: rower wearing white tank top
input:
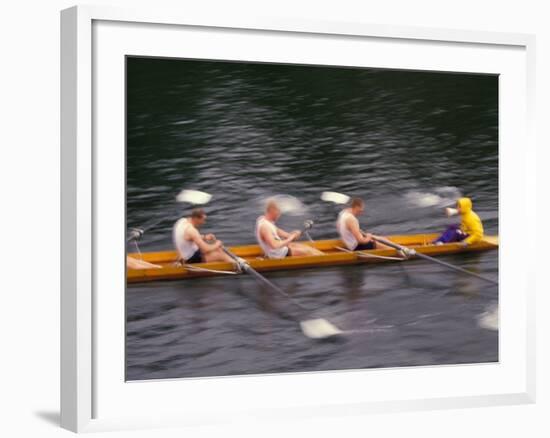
column 192, row 247
column 275, row 242
column 350, row 232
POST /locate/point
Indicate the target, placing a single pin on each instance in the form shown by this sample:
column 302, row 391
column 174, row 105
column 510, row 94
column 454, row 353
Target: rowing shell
column 333, row 255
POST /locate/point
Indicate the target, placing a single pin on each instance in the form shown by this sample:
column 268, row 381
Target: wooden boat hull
column 332, row 257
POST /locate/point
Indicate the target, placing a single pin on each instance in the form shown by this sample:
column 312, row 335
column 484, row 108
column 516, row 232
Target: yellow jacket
column 470, row 222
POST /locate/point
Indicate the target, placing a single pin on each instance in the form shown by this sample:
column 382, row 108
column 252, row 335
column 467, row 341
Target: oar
column 339, row 198
column 194, row 197
column 412, row 252
column 316, row 328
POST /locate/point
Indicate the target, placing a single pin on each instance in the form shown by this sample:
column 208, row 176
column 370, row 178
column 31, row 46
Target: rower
column 277, row 243
column 192, row 247
column 350, row 232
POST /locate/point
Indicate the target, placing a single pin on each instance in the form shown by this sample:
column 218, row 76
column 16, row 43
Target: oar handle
column 308, row 225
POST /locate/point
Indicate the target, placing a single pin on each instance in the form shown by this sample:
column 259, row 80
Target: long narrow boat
column 334, row 254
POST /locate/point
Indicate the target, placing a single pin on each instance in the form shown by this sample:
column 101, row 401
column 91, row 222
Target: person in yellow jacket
column 470, row 229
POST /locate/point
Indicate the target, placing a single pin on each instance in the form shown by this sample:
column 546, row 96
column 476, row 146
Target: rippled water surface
column 409, row 143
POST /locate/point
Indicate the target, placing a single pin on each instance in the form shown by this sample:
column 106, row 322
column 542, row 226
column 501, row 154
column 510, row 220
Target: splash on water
column 489, row 319
column 422, row 199
column 438, row 197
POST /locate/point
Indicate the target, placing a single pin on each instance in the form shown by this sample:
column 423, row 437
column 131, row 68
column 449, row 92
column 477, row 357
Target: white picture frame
column 93, row 397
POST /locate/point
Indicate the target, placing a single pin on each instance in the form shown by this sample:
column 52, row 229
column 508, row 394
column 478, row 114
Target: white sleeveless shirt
column 345, row 234
column 271, row 253
column 185, row 248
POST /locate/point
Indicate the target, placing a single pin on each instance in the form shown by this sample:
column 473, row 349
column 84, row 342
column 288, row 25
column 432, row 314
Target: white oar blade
column 319, row 328
column 194, row 197
column 337, row 198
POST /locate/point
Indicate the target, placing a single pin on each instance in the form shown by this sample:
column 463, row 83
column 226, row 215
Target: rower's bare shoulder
column 352, row 221
column 191, row 233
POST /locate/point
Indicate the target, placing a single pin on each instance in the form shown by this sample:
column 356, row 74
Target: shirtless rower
column 350, row 232
column 192, row 247
column 277, row 243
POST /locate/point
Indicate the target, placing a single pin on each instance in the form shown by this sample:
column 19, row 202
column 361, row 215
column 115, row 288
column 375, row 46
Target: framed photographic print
column 258, row 208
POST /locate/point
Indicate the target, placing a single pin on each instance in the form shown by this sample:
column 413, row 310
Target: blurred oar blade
column 289, row 205
column 194, row 197
column 335, row 197
column 319, row 328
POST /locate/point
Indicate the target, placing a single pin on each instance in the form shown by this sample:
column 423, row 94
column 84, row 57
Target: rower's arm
column 268, row 238
column 474, row 228
column 205, row 248
column 353, row 226
column 283, row 234
column 290, row 236
column 475, row 236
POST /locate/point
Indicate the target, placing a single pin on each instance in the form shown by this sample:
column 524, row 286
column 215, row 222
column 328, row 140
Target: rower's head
column 464, row 205
column 272, row 210
column 357, row 206
column 198, row 217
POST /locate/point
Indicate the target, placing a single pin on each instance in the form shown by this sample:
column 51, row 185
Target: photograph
column 291, row 218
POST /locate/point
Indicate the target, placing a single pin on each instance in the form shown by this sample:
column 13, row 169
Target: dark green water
column 409, row 143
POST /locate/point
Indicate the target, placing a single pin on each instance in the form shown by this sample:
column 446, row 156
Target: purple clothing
column 453, row 233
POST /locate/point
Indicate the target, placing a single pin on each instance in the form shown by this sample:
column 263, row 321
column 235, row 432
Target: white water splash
column 422, row 199
column 489, row 319
column 439, row 197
